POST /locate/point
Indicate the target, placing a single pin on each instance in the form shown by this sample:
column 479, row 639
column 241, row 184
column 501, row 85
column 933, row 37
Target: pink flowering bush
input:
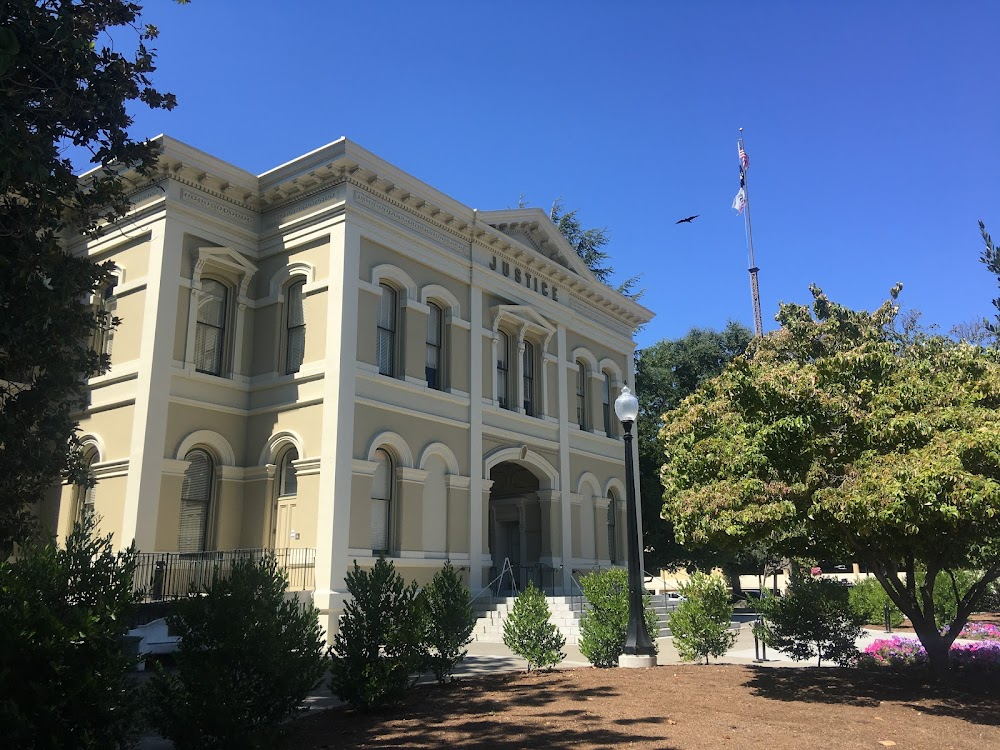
column 981, row 630
column 904, row 652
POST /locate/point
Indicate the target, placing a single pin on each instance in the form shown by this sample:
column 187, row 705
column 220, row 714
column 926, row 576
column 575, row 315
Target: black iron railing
column 162, row 576
column 515, row 579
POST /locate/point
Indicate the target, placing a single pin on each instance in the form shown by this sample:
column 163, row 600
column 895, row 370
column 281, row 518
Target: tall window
column 385, row 345
column 606, row 405
column 503, row 370
column 210, row 333
column 196, row 494
column 288, row 483
column 104, row 309
column 581, row 395
column 382, row 484
column 529, row 379
column 295, row 327
column 612, row 527
column 87, row 495
column 435, row 335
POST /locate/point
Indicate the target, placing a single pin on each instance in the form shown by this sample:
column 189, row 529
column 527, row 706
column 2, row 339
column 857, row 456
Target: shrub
column 814, row 619
column 868, row 599
column 63, row 672
column 450, row 621
column 529, row 634
column 701, row 624
column 905, row 652
column 247, row 659
column 604, row 625
column 378, row 651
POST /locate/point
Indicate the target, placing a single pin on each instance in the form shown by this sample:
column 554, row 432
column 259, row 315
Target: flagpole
column 758, row 324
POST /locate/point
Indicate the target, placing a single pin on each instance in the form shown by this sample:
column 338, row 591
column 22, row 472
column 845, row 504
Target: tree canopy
column 838, row 435
column 63, row 85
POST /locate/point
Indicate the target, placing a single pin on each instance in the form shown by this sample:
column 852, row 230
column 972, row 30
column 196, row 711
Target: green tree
column 378, row 651
column 868, row 600
column 701, row 624
column 529, row 634
column 991, row 259
column 839, row 437
column 64, row 679
column 450, row 621
column 604, row 625
column 665, row 374
column 248, row 658
column 589, row 245
column 814, row 619
column 63, row 82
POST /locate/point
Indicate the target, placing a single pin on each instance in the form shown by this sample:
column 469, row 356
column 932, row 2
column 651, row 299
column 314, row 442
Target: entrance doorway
column 515, row 531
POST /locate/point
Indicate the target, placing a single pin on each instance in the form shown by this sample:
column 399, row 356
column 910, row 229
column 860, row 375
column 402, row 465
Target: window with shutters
column 288, row 483
column 388, row 319
column 503, row 370
column 105, row 304
column 528, row 370
column 581, row 394
column 295, row 327
column 433, row 368
column 210, row 330
column 382, row 497
column 196, row 498
column 609, row 424
column 612, row 527
column 86, row 496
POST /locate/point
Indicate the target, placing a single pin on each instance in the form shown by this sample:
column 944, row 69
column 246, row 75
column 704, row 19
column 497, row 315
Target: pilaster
column 565, row 520
column 476, row 537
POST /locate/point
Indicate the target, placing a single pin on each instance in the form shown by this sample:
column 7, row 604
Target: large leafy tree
column 665, row 374
column 840, row 435
column 64, row 87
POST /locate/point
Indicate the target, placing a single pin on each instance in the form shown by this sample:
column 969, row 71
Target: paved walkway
column 489, row 658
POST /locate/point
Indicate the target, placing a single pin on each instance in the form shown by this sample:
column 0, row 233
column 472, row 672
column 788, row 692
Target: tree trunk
column 937, row 647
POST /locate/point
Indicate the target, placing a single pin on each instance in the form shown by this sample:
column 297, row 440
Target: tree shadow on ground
column 495, row 711
column 972, row 697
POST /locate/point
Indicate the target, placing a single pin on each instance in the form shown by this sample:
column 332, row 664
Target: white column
column 337, row 447
column 476, row 436
column 562, row 375
column 519, row 373
column 152, row 400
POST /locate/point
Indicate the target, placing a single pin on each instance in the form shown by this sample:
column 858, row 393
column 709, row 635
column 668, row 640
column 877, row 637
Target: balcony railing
column 163, row 576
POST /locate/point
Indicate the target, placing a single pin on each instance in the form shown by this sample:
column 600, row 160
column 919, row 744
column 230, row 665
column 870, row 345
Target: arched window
column 196, row 496
column 434, row 366
column 382, row 497
column 295, row 327
column 529, row 379
column 210, row 331
column 288, row 483
column 385, row 345
column 86, row 496
column 606, row 405
column 612, row 527
column 581, row 394
column 503, row 370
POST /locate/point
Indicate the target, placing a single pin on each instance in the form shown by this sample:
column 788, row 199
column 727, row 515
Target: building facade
column 336, row 357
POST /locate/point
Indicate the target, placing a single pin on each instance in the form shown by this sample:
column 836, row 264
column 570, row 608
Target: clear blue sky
column 873, row 129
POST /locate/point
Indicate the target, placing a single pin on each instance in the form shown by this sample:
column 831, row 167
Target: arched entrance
column 516, row 531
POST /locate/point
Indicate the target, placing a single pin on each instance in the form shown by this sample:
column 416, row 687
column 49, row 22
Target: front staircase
column 491, row 613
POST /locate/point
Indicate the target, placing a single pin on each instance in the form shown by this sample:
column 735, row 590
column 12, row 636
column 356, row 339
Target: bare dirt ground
column 675, row 707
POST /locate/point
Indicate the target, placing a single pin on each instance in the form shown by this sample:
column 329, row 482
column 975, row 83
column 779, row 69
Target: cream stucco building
column 337, row 358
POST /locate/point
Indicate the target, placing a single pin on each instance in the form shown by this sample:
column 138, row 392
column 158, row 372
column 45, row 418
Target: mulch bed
column 675, row 707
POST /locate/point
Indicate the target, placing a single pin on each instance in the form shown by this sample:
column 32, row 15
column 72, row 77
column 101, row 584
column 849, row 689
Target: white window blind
column 295, row 321
column 210, row 331
column 432, row 367
column 581, row 395
column 385, row 345
column 196, row 493
column 606, row 404
column 381, row 501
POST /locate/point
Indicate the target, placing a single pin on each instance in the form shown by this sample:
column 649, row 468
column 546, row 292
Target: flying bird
column 689, row 219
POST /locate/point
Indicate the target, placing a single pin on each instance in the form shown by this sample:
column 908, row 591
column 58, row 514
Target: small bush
column 529, row 634
column 604, row 626
column 247, row 659
column 905, row 652
column 815, row 619
column 701, row 624
column 868, row 600
column 450, row 621
column 378, row 651
column 63, row 673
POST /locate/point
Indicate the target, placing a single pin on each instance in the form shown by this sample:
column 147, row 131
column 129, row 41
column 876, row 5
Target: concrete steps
column 565, row 615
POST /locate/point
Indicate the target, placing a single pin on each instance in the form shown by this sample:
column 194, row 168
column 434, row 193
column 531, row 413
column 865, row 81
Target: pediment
column 524, row 315
column 532, row 228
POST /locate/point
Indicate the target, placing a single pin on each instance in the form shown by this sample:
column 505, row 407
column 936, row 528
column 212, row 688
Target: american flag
column 744, row 159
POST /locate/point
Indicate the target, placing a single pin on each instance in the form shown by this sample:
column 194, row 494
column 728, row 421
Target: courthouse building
column 337, row 358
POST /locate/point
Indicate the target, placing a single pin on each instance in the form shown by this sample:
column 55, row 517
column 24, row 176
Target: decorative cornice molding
column 365, row 198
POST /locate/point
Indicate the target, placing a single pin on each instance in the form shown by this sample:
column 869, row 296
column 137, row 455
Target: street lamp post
column 639, row 649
